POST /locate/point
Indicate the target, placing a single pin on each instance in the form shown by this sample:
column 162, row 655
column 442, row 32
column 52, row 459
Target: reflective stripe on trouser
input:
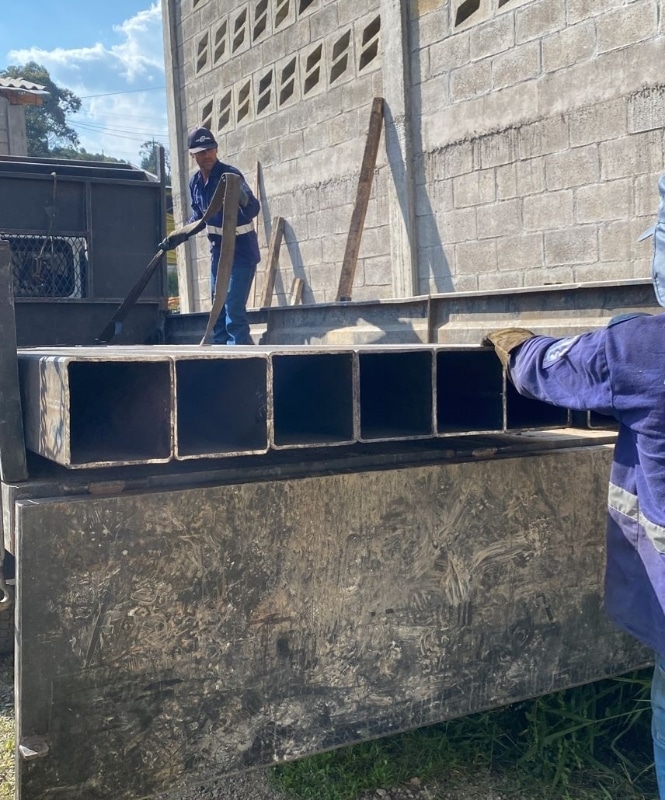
column 658, row 722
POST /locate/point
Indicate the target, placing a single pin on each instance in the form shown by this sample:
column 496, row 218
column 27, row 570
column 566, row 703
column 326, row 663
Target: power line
column 127, row 91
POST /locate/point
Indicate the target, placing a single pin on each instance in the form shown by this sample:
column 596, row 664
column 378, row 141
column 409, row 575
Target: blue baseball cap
column 200, row 139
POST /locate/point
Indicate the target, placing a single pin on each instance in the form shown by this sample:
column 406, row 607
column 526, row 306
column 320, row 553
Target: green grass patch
column 6, row 728
column 592, row 742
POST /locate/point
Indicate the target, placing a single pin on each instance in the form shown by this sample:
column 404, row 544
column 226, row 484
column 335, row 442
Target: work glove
column 173, row 240
column 505, row 340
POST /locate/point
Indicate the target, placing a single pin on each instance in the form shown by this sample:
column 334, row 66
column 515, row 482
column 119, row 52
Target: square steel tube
column 469, row 391
column 85, row 411
column 396, row 394
column 524, row 413
column 313, row 399
column 221, row 405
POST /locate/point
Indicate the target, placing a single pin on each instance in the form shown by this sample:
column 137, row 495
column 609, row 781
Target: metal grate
column 48, row 266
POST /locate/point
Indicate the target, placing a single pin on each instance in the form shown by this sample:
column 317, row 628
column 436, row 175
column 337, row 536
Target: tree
column 149, row 159
column 46, row 124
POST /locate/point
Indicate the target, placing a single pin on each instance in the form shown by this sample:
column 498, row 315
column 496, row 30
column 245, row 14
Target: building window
column 239, row 31
column 287, row 81
column 244, row 100
column 465, row 10
column 260, row 19
column 369, row 47
column 340, row 57
column 202, row 53
column 220, row 42
column 304, row 5
column 224, row 111
column 313, row 69
column 282, row 12
column 206, row 115
column 264, row 92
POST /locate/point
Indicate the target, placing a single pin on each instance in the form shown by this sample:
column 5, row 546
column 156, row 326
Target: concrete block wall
column 289, row 84
column 540, row 140
column 536, row 127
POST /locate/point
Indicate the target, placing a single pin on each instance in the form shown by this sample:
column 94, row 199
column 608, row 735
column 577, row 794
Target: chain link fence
column 48, row 266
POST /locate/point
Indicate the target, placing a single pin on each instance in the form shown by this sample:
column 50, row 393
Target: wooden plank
column 272, row 261
column 219, row 627
column 225, row 266
column 297, row 286
column 350, row 261
column 12, row 442
column 261, row 233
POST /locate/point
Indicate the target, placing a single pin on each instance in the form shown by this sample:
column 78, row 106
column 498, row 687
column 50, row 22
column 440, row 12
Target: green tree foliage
column 46, row 124
column 149, row 159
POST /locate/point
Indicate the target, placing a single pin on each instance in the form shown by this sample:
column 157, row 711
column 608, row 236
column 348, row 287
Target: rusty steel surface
column 227, row 625
column 94, row 406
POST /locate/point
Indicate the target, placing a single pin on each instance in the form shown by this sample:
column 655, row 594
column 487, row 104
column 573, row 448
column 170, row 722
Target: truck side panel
column 167, row 638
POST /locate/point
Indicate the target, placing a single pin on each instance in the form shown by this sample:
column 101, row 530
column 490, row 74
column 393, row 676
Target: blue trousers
column 658, row 722
column 232, row 326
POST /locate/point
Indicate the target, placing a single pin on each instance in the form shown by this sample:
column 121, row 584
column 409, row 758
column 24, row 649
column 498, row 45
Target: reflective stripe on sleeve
column 214, row 229
column 627, row 504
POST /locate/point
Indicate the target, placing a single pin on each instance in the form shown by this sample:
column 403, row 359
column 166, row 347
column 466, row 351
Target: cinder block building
column 521, row 146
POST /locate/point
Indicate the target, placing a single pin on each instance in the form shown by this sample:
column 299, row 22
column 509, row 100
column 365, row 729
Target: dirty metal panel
column 169, row 638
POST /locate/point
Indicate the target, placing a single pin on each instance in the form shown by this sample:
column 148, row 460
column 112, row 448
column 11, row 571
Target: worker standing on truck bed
column 620, row 371
column 232, row 327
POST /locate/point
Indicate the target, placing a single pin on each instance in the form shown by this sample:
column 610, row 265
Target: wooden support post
column 276, row 237
column 297, row 285
column 13, row 465
column 225, row 265
column 362, row 199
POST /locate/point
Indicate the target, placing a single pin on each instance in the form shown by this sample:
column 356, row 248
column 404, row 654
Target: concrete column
column 18, row 137
column 399, row 145
column 175, row 91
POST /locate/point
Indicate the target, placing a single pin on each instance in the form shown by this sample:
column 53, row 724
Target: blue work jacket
column 247, row 252
column 620, row 371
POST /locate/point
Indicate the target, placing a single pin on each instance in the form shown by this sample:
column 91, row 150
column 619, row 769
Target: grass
column 6, row 728
column 588, row 743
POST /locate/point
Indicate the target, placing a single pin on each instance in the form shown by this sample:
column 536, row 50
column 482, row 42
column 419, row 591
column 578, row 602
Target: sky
column 109, row 54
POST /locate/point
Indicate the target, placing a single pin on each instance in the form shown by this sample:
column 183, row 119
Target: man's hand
column 173, row 240
column 505, row 340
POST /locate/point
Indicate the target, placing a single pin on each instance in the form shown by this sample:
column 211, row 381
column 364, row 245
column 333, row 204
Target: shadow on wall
column 434, row 274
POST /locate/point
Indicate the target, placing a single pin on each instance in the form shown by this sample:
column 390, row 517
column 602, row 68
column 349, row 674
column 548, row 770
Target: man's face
column 206, row 159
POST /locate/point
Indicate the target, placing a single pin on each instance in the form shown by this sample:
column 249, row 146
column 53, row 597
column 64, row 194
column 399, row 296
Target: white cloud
column 117, row 116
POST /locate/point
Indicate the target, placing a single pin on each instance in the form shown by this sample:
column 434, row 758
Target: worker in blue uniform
column 618, row 370
column 232, row 327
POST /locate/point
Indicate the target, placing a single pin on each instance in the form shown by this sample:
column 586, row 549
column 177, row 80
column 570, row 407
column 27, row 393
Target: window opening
column 282, row 12
column 243, row 101
column 313, row 69
column 224, row 116
column 202, row 53
column 239, row 30
column 370, row 43
column 265, row 90
column 260, row 19
column 287, row 81
column 220, row 42
column 340, row 56
column 465, row 10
